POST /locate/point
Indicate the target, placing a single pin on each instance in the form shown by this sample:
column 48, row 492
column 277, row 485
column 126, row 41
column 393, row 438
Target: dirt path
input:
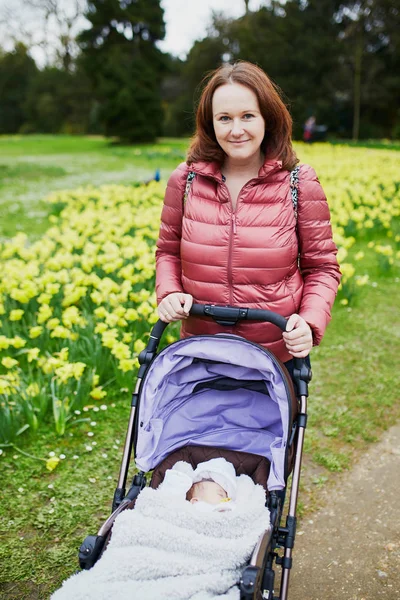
column 350, row 549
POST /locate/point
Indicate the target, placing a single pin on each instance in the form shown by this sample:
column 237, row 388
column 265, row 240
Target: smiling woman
column 231, row 232
column 239, row 129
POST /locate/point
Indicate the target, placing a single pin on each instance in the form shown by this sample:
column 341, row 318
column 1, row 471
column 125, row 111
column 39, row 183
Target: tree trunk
column 357, row 84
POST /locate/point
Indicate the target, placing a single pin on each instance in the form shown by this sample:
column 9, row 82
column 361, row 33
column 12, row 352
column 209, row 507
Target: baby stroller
column 219, row 395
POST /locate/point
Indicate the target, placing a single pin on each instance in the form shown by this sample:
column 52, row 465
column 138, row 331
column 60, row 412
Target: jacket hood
column 213, row 169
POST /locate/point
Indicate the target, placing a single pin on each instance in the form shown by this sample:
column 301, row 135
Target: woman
column 235, row 240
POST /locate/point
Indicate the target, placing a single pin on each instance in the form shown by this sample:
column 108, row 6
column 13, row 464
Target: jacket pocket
column 289, row 294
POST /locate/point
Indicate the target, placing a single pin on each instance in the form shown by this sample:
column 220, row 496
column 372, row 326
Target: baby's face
column 209, row 492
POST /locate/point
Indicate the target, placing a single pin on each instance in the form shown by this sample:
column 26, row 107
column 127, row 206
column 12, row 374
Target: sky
column 186, row 21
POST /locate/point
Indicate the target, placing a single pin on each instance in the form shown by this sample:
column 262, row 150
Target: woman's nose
column 237, row 127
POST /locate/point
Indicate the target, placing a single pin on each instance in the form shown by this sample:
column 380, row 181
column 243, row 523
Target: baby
column 210, row 487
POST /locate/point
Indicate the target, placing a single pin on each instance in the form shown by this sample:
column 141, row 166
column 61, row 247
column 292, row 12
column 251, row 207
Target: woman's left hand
column 298, row 337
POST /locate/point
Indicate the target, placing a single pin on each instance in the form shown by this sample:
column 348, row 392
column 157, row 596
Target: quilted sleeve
column 168, row 261
column 318, row 263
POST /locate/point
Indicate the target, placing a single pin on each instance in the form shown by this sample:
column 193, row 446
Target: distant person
column 230, row 231
column 309, row 129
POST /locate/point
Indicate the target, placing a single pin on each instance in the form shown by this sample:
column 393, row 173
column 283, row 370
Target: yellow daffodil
column 98, row 393
column 127, row 364
column 9, row 362
column 16, row 315
column 35, row 331
column 33, row 390
column 52, row 462
column 4, row 342
column 17, row 342
column 33, row 354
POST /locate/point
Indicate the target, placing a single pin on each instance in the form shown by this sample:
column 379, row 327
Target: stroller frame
column 258, row 578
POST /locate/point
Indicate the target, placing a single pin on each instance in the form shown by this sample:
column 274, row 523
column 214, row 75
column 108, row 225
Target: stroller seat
column 256, row 467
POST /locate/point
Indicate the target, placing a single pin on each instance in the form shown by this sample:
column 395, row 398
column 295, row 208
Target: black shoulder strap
column 189, row 180
column 294, row 187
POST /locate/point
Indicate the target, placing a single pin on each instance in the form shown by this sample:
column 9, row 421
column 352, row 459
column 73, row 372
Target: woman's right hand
column 174, row 307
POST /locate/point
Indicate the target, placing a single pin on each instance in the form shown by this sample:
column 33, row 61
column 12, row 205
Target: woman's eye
column 248, row 116
column 224, row 118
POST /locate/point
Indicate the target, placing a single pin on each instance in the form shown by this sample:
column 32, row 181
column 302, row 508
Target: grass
column 33, row 166
column 45, row 515
column 375, row 144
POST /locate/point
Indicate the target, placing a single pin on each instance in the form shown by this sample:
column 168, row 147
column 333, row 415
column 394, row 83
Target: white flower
column 103, row 407
column 50, row 486
column 62, row 456
column 93, row 424
column 77, row 412
column 89, row 448
column 52, row 453
column 104, row 455
column 20, row 489
column 90, row 433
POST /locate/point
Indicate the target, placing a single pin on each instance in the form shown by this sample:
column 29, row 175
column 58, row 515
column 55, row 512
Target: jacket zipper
column 231, row 234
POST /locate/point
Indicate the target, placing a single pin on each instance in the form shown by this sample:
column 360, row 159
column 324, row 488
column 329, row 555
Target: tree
column 17, row 70
column 370, row 57
column 58, row 101
column 120, row 56
column 47, row 27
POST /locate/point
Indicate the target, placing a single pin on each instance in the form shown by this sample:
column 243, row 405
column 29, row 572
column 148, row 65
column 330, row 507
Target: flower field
column 76, row 305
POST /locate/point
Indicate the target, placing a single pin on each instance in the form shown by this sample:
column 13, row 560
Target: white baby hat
column 219, row 470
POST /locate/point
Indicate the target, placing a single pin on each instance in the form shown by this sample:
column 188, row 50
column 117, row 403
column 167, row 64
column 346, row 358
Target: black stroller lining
column 227, row 383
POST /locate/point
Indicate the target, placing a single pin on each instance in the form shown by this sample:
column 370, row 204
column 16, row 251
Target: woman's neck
column 253, row 165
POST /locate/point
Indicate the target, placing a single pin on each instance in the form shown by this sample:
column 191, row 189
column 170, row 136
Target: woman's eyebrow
column 250, row 110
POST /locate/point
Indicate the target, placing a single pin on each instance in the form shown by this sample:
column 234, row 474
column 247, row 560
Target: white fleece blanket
column 167, row 548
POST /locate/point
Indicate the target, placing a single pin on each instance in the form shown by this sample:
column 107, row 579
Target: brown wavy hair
column 277, row 142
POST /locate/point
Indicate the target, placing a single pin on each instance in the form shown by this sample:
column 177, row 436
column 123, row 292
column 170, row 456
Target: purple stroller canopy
column 191, row 394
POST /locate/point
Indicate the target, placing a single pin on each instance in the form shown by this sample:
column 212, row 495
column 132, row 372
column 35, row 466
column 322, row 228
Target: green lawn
column 33, row 166
column 45, row 515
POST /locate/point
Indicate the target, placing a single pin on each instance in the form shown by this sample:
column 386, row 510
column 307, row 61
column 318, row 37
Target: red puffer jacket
column 249, row 257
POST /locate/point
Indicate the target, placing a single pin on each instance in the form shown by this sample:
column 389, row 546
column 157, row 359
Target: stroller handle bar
column 223, row 315
column 230, row 315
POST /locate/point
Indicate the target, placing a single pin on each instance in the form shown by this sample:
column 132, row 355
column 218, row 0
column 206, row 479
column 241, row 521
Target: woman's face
column 238, row 124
